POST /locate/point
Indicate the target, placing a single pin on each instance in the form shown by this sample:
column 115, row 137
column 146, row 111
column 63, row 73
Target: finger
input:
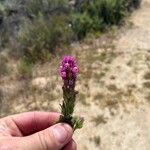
column 71, row 146
column 32, row 122
column 52, row 138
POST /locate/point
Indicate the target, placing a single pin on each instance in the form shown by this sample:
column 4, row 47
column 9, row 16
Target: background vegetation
column 35, row 29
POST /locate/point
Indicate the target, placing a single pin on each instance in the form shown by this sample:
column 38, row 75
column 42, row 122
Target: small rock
column 40, row 83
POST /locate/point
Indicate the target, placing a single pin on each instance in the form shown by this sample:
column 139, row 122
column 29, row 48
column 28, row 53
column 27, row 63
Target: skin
column 34, row 131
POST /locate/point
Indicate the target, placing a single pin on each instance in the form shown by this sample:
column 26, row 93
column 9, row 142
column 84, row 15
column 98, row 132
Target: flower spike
column 68, row 72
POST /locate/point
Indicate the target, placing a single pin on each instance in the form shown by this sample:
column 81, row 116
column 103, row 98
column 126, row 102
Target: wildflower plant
column 68, row 72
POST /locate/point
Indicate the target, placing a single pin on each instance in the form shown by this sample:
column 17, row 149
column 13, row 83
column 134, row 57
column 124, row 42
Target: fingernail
column 60, row 133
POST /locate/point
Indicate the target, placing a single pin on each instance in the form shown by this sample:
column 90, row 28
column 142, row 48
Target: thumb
column 52, row 138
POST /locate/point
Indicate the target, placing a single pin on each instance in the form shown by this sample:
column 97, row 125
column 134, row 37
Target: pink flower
column 68, row 71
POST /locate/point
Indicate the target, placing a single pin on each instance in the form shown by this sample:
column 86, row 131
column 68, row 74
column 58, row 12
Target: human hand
column 35, row 131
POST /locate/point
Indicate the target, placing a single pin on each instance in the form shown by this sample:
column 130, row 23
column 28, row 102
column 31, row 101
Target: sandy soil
column 125, row 127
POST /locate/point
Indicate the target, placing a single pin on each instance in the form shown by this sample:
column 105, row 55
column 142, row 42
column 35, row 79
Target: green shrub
column 82, row 24
column 132, row 4
column 97, row 15
column 111, row 11
column 41, row 38
column 46, row 7
column 4, row 70
column 4, row 36
column 48, row 29
column 1, row 97
column 25, row 69
column 43, row 25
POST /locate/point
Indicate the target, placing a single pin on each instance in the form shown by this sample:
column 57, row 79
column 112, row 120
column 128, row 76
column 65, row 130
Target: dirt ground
column 113, row 85
column 125, row 125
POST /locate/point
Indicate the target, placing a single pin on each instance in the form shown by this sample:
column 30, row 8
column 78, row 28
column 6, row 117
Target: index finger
column 32, row 122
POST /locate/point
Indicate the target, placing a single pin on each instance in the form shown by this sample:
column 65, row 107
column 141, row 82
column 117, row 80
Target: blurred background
column 111, row 42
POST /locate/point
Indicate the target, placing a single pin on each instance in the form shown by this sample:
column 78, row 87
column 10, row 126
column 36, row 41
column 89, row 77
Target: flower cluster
column 68, row 71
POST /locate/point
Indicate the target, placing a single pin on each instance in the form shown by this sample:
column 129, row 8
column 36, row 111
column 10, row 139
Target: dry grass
column 1, row 98
column 25, row 70
column 148, row 97
column 147, row 75
column 97, row 140
column 100, row 119
column 112, row 87
column 82, row 98
column 146, row 84
column 4, row 70
column 99, row 96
